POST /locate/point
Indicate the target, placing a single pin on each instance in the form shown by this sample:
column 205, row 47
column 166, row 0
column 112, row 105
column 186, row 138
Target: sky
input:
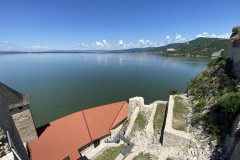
column 37, row 25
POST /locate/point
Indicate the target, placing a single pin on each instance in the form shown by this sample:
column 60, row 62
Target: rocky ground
column 146, row 142
column 4, row 148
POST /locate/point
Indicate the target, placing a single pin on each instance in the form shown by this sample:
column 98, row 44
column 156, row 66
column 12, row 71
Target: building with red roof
column 66, row 137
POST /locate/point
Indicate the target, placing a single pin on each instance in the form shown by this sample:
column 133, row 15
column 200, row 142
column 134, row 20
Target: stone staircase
column 117, row 139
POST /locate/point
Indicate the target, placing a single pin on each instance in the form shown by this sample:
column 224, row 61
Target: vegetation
column 199, row 107
column 145, row 156
column 111, row 153
column 228, row 105
column 172, row 92
column 217, row 80
column 215, row 87
column 179, row 113
column 159, row 118
column 169, row 158
column 140, row 121
column 198, row 47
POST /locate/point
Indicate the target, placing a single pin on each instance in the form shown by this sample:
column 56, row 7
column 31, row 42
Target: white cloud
column 205, row 34
column 5, row 41
column 121, row 43
column 84, row 44
column 179, row 38
column 104, row 41
column 168, row 38
column 141, row 41
column 98, row 44
column 38, row 47
column 106, row 44
column 148, row 42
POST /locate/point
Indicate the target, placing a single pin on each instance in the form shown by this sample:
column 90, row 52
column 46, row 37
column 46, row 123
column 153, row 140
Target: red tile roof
column 63, row 137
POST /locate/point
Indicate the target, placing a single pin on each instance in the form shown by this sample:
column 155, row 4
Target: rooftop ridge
column 117, row 114
column 89, row 133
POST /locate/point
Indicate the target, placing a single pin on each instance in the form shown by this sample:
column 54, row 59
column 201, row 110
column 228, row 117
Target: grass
column 111, row 153
column 145, row 156
column 169, row 158
column 159, row 118
column 140, row 121
column 179, row 113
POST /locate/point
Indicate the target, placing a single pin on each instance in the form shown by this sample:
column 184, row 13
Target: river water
column 60, row 84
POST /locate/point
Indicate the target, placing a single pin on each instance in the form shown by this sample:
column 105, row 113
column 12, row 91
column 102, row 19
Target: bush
column 173, row 91
column 199, row 107
column 216, row 61
column 211, row 124
column 228, row 105
column 197, row 118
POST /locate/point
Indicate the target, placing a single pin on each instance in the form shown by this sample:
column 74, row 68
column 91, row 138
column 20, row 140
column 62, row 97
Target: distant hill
column 132, row 50
column 198, row 47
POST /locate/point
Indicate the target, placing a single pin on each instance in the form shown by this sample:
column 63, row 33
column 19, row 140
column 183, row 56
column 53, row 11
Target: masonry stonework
column 25, row 125
column 16, row 118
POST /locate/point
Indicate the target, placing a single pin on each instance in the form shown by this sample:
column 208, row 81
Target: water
column 60, row 84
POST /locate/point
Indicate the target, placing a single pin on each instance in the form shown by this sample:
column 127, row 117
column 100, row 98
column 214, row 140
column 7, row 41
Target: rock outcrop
column 233, row 50
column 4, row 147
column 232, row 141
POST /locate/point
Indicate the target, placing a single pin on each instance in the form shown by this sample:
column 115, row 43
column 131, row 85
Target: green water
column 60, row 84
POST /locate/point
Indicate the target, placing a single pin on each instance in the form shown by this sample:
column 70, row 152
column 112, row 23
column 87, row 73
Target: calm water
column 60, row 84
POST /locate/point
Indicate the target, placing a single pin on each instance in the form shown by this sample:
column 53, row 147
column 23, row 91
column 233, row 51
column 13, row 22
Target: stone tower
column 16, row 118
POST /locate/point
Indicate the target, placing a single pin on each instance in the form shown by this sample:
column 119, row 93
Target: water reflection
column 60, row 84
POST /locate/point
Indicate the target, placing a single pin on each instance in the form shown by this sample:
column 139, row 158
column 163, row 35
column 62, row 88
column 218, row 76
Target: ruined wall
column 236, row 152
column 172, row 137
column 7, row 124
column 23, row 120
column 232, row 142
column 4, row 147
column 134, row 103
column 233, row 50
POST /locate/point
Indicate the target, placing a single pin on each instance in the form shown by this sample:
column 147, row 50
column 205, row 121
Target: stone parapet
column 172, row 137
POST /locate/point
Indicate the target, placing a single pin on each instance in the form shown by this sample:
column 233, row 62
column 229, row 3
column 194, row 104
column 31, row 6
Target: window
column 96, row 143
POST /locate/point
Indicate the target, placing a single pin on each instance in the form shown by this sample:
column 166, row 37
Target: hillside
column 132, row 50
column 216, row 102
column 198, row 47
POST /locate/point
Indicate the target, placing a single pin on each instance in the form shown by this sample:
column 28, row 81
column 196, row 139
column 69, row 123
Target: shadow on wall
column 41, row 129
column 164, row 124
column 83, row 158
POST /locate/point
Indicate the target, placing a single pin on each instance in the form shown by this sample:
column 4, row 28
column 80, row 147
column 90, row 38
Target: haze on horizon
column 87, row 25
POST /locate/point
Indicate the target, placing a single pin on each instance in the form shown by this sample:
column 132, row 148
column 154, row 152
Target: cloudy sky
column 111, row 24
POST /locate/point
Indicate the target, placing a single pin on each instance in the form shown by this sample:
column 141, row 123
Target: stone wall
column 4, row 147
column 7, row 124
column 233, row 50
column 134, row 103
column 24, row 123
column 236, row 152
column 172, row 137
column 232, row 141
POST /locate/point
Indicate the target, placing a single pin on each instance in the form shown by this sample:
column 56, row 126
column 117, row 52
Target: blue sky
column 111, row 24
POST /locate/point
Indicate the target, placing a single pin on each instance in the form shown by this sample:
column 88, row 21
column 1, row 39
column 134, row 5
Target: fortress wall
column 7, row 124
column 23, row 120
column 172, row 137
column 233, row 51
